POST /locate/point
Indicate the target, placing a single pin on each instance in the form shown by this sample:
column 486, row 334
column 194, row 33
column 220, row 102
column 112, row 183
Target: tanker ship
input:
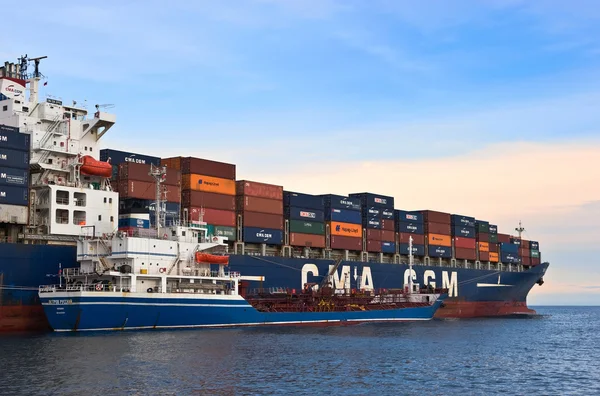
column 58, row 186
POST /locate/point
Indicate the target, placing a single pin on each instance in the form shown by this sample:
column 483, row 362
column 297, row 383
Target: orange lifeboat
column 94, row 167
column 211, row 258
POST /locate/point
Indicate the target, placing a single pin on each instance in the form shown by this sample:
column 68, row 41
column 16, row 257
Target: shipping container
column 262, row 220
column 134, row 223
column 144, row 190
column 465, row 232
column 14, row 214
column 146, row 206
column 207, row 200
column 439, row 240
column 493, row 247
column 10, row 158
column 526, row 260
column 229, row 232
column 534, row 254
column 402, row 216
column 345, row 229
column 509, row 248
column 307, row 227
column 493, row 229
column 295, row 213
column 388, row 247
column 260, row 190
column 372, row 222
column 262, row 235
column 464, row 243
column 343, row 215
column 170, row 208
column 341, row 202
column 494, row 257
column 371, row 211
column 115, row 173
column 483, row 246
column 201, row 166
column 524, row 252
column 438, row 228
column 462, row 221
column 418, row 250
column 141, row 172
column 483, row 237
column 369, row 199
column 515, row 241
column 261, row 205
column 440, row 251
column 387, row 224
column 9, row 129
column 465, row 254
column 387, row 214
column 15, row 140
column 206, row 183
column 374, row 235
column 430, row 216
column 373, row 246
column 308, row 240
column 213, row 216
column 493, row 238
column 413, row 228
column 524, row 244
column 118, row 157
column 11, row 195
column 482, row 226
column 388, row 236
column 535, row 261
column 509, row 258
column 14, row 177
column 503, row 238
column 345, row 243
column 303, row 200
column 484, row 256
column 418, row 239
column 533, row 245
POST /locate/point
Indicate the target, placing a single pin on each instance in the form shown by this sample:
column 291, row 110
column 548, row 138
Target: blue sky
column 287, row 89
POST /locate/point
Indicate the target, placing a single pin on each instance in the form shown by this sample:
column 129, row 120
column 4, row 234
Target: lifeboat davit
column 211, row 258
column 93, row 167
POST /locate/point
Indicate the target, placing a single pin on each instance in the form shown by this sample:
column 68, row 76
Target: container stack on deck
column 260, row 212
column 493, row 243
column 410, row 224
column 306, row 217
column 117, row 157
column 14, row 176
column 463, row 236
column 438, row 231
column 377, row 216
column 343, row 217
column 534, row 250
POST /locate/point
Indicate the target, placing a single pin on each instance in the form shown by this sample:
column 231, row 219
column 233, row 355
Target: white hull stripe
column 492, row 285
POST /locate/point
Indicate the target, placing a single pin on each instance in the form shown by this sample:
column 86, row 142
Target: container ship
column 57, row 186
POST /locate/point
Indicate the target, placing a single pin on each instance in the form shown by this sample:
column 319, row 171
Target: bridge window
column 62, row 197
column 79, row 217
column 62, row 216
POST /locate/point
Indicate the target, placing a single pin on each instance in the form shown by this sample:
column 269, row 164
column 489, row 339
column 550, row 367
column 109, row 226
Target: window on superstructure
column 99, row 217
column 104, row 199
column 4, row 108
column 112, row 218
column 109, row 200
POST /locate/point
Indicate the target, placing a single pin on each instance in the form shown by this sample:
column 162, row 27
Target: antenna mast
column 410, row 264
column 159, row 174
column 520, row 229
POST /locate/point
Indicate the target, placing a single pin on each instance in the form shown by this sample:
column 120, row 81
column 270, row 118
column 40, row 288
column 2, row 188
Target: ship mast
column 159, row 174
column 410, row 264
column 520, row 229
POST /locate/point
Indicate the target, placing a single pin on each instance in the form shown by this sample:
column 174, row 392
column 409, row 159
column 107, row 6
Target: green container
column 228, row 232
column 535, row 253
column 307, row 227
column 483, row 228
column 493, row 238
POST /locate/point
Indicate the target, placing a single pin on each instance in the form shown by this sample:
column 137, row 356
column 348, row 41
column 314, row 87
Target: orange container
column 439, row 240
column 484, row 246
column 345, row 229
column 208, row 184
column 493, row 257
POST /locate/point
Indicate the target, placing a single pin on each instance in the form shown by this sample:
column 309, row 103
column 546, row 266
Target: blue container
column 509, row 248
column 387, row 214
column 9, row 129
column 171, row 209
column 372, row 222
column 440, row 251
column 303, row 200
column 493, row 229
column 388, row 247
column 465, row 232
column 515, row 241
column 462, row 221
column 137, row 223
column 371, row 212
column 10, row 158
column 411, row 228
column 418, row 250
column 294, row 213
column 14, row 140
column 369, row 199
column 533, row 245
column 262, row 235
column 510, row 258
column 14, row 177
column 341, row 202
column 10, row 195
column 118, row 157
column 344, row 216
column 408, row 217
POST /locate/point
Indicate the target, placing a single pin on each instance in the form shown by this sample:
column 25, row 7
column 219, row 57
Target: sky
column 482, row 108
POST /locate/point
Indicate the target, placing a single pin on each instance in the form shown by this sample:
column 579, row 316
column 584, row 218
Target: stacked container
column 260, row 212
column 117, row 157
column 493, row 244
column 463, row 237
column 410, row 224
column 14, row 175
column 306, row 216
column 534, row 251
column 378, row 221
column 525, row 252
column 343, row 216
column 438, row 231
column 509, row 253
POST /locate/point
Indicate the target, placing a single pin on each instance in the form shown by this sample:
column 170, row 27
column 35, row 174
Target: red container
column 437, row 228
column 535, row 261
column 493, row 247
column 200, row 166
column 262, row 220
column 483, row 237
column 388, row 236
column 418, row 239
column 207, row 200
column 261, row 190
column 525, row 252
column 140, row 172
column 261, row 205
column 464, row 243
column 387, row 224
column 526, row 260
column 373, row 246
column 315, row 241
column 503, row 238
column 465, row 254
column 374, row 235
column 346, row 243
column 484, row 256
column 145, row 190
column 431, row 216
column 214, row 216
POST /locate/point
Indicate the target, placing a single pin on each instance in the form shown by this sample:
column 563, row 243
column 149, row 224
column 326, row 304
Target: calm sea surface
column 557, row 352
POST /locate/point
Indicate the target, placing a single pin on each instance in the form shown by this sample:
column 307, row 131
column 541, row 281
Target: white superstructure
column 62, row 199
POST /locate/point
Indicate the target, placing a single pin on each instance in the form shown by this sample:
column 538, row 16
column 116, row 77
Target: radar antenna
column 520, row 229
